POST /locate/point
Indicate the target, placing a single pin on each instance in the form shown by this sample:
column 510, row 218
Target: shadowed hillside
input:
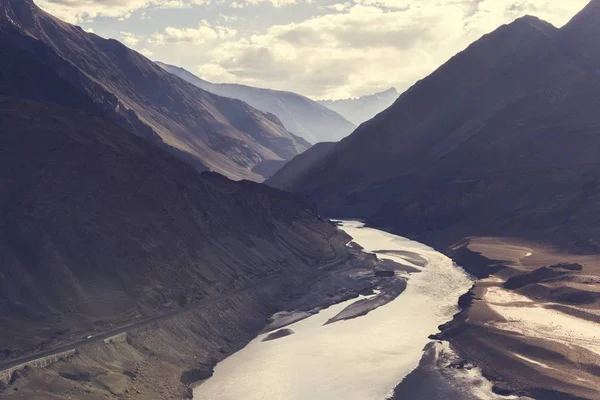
column 502, row 139
column 99, row 227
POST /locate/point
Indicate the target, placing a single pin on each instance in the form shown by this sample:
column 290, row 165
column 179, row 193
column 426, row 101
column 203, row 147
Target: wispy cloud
column 198, row 35
column 78, row 11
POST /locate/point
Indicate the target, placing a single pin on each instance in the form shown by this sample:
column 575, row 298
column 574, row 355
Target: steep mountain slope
column 300, row 115
column 503, row 139
column 225, row 135
column 300, row 165
column 361, row 109
column 580, row 36
column 99, row 227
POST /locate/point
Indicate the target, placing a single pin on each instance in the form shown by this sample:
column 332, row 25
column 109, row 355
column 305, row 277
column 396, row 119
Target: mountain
column 300, row 115
column 501, row 140
column 99, row 227
column 361, row 109
column 125, row 271
column 41, row 54
column 581, row 34
column 295, row 169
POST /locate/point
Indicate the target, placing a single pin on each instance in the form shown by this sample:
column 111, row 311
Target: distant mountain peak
column 390, row 91
column 300, row 115
column 363, row 108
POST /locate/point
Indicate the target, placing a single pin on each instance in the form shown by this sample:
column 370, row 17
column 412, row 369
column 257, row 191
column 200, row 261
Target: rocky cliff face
column 99, row 227
column 300, row 115
column 223, row 135
column 502, row 139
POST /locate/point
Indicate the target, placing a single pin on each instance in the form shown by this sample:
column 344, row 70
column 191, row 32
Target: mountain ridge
column 363, row 108
column 485, row 128
column 222, row 134
column 299, row 114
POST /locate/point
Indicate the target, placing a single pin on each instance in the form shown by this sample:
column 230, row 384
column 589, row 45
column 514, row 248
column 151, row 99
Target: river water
column 359, row 359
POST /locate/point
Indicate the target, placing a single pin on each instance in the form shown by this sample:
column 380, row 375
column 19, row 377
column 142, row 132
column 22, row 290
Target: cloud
column 364, row 49
column 199, row 35
column 321, row 48
column 135, row 42
column 129, row 39
column 146, row 52
column 228, row 18
column 275, row 3
column 369, row 45
column 77, row 11
column 556, row 12
column 490, row 12
column 339, row 7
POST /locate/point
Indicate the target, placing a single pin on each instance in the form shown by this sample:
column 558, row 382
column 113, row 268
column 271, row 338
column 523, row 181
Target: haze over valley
column 288, row 200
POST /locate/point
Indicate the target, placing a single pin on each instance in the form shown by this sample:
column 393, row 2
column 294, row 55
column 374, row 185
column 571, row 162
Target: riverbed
column 358, row 359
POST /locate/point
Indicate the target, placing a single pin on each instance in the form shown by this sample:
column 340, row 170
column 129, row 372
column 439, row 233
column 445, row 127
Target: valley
column 112, row 355
column 164, row 236
column 361, row 358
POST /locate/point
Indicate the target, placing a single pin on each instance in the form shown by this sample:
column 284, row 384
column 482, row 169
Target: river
column 359, row 359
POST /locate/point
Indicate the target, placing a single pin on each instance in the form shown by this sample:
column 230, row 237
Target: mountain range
column 362, row 109
column 105, row 218
column 124, row 242
column 41, row 54
column 503, row 139
column 299, row 114
column 494, row 159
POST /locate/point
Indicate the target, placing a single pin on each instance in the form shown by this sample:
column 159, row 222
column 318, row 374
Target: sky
column 324, row 49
